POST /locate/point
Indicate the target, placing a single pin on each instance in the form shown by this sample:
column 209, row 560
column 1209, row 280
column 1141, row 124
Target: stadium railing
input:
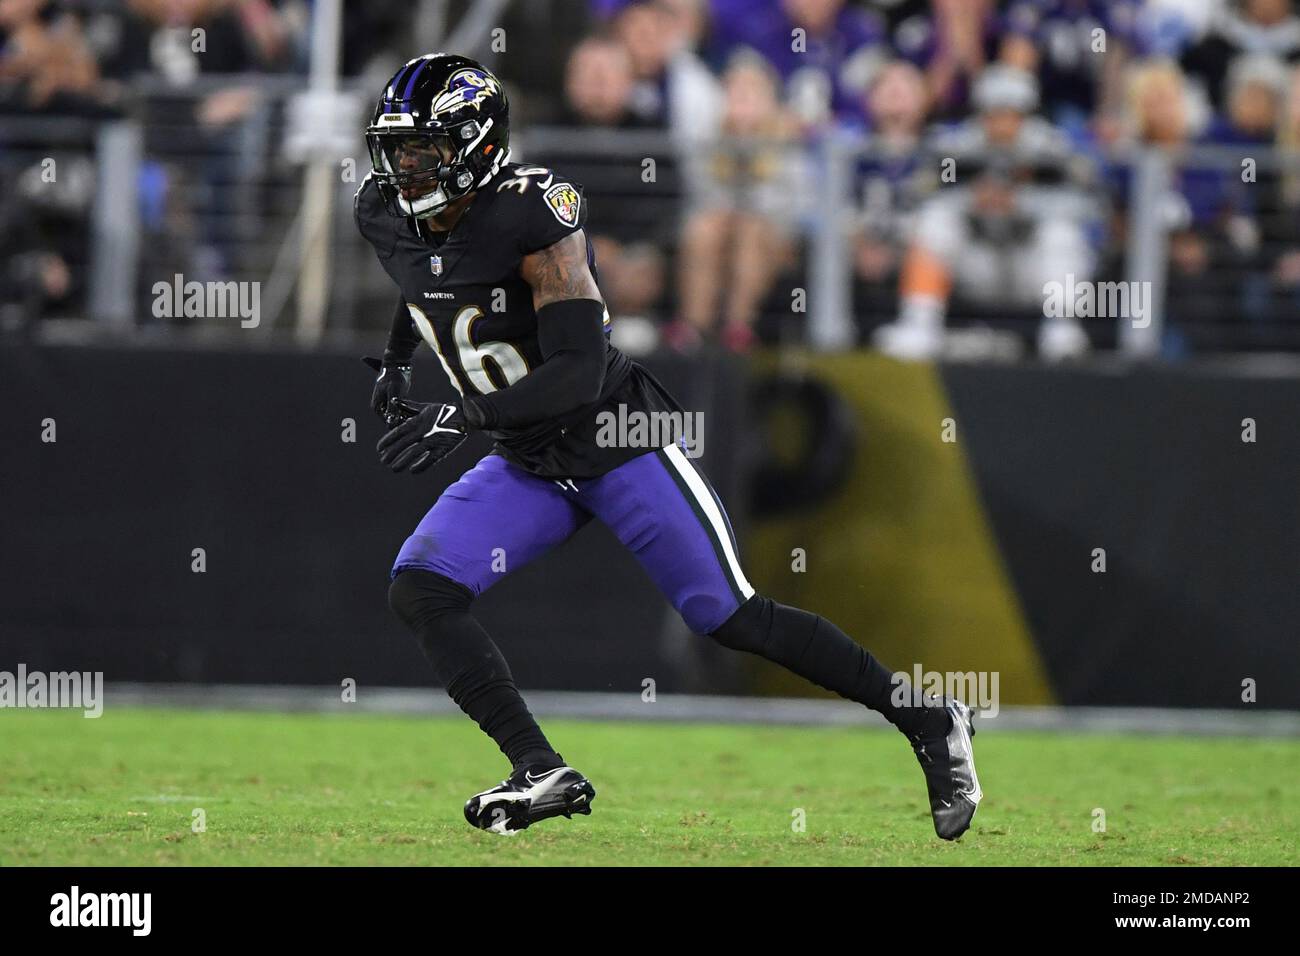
column 175, row 195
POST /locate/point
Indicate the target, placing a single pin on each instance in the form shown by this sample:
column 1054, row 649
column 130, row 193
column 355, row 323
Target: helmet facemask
column 421, row 171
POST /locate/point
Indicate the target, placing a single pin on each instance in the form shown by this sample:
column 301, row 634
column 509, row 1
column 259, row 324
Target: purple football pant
column 498, row 517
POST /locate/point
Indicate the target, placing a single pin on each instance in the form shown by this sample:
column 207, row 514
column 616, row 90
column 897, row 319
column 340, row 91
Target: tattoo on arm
column 560, row 272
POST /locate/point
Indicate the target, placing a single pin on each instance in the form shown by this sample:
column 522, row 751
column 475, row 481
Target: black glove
column 426, row 433
column 394, row 382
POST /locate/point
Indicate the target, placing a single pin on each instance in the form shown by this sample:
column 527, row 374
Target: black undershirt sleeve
column 571, row 335
column 402, row 337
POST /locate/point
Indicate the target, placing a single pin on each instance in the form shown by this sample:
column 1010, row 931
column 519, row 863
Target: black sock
column 480, row 683
column 468, row 663
column 815, row 649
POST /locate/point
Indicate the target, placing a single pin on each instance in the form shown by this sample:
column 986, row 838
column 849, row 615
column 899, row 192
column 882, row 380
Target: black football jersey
column 469, row 303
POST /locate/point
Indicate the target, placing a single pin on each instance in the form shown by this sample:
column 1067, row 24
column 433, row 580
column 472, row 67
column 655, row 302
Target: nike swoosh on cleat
column 538, row 779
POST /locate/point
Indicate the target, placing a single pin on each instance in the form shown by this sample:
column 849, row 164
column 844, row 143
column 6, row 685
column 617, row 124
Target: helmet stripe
column 392, row 87
column 397, row 81
column 410, row 85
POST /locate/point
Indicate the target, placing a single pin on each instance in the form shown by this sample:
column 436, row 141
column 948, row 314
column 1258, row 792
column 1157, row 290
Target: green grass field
column 373, row 790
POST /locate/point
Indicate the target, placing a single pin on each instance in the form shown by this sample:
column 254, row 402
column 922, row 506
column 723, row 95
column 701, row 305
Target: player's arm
column 570, row 333
column 403, row 339
column 394, row 381
column 420, row 434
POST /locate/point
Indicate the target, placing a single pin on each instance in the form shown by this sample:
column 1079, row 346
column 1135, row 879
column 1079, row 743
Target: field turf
column 363, row 789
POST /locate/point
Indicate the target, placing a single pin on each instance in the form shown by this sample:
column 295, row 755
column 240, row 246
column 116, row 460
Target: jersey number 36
column 471, row 359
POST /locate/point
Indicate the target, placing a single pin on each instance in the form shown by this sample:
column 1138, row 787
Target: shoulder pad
column 373, row 220
column 548, row 205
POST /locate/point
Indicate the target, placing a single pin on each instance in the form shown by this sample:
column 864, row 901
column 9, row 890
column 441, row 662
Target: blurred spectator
column 1078, row 49
column 951, row 42
column 1240, row 27
column 632, row 280
column 738, row 233
column 167, row 47
column 825, row 66
column 1278, row 215
column 179, row 39
column 598, row 85
column 1256, row 93
column 897, row 102
column 1005, row 99
column 631, row 206
column 1161, row 110
column 896, row 105
column 1256, row 89
column 46, row 63
column 981, row 250
column 690, row 23
column 792, row 71
column 44, row 237
column 672, row 88
column 636, row 276
column 1209, row 242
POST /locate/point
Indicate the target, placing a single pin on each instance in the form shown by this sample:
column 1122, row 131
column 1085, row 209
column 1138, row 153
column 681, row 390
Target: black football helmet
column 441, row 129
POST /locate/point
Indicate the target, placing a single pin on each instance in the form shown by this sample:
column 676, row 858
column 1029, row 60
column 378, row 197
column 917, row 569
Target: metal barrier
column 178, row 193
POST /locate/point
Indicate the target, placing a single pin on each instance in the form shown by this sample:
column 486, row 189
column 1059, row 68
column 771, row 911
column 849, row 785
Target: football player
column 498, row 277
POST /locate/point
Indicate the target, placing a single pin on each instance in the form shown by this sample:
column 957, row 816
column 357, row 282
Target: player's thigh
column 663, row 509
column 495, row 519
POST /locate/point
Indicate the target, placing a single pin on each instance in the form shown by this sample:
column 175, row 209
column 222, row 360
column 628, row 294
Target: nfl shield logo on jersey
column 435, row 265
